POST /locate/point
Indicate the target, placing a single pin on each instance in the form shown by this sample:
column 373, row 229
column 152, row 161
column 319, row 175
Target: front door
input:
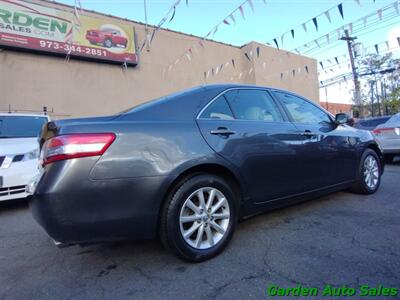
column 329, row 150
column 247, row 128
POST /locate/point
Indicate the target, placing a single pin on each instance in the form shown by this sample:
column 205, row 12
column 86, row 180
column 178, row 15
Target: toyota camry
column 188, row 167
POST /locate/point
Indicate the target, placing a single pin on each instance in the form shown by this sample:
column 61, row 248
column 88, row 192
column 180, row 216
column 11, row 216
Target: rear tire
column 369, row 173
column 200, row 232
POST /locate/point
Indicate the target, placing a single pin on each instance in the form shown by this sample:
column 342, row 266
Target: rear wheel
column 199, row 219
column 369, row 173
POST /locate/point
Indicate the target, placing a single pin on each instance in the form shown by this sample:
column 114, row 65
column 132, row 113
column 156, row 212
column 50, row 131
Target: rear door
column 248, row 129
column 328, row 153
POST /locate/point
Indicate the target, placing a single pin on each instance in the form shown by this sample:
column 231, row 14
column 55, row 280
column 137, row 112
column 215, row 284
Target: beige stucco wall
column 79, row 88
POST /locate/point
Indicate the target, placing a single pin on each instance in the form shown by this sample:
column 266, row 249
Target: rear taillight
column 382, row 130
column 76, row 145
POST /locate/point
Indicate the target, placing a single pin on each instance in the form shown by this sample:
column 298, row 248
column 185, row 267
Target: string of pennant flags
column 230, row 19
column 169, row 16
column 379, row 46
column 304, row 26
column 383, row 14
column 319, row 42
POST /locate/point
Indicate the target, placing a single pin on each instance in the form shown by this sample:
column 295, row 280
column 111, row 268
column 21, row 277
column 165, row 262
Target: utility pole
column 350, row 46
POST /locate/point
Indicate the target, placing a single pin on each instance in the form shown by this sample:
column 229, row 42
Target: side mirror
column 342, row 118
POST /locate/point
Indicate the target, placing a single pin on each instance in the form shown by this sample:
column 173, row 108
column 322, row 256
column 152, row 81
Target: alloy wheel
column 371, row 172
column 204, row 218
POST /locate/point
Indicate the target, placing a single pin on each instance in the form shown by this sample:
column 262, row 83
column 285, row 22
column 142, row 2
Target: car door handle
column 308, row 133
column 222, row 131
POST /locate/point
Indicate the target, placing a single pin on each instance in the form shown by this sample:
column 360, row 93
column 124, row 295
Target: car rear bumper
column 75, row 209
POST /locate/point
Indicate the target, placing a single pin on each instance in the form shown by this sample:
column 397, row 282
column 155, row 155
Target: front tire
column 199, row 219
column 369, row 173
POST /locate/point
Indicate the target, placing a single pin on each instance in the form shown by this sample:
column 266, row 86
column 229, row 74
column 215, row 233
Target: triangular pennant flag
column 340, row 8
column 322, row 65
column 251, row 53
column 398, row 41
column 315, row 23
column 247, row 56
column 242, row 12
column 264, row 65
column 387, row 44
column 216, row 70
column 227, row 64
column 258, row 51
column 251, row 5
column 276, row 43
column 282, row 37
column 173, row 15
column 306, row 67
column 328, row 16
column 233, row 63
column 351, row 27
column 226, row 22
column 294, row 72
column 358, row 2
column 396, row 7
column 365, row 21
column 292, row 32
column 328, row 39
column 220, row 68
column 240, row 75
column 265, row 1
column 212, row 71
column 233, row 19
column 337, row 60
column 205, row 75
column 304, row 27
column 201, row 43
column 379, row 12
column 187, row 2
column 250, row 71
column 316, row 42
column 329, row 61
column 281, row 76
column 376, row 48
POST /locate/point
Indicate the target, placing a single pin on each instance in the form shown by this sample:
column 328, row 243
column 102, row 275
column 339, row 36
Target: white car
column 388, row 137
column 19, row 153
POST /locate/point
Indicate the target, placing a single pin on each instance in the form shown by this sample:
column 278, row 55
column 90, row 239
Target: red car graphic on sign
column 108, row 37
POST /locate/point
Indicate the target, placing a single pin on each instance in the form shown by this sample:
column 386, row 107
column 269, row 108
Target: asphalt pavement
column 342, row 239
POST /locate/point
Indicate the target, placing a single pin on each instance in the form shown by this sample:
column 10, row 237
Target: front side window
column 218, row 109
column 253, row 105
column 301, row 110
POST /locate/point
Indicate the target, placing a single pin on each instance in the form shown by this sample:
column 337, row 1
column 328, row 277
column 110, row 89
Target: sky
column 269, row 21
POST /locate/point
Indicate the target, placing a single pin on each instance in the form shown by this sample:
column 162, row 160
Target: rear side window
column 301, row 110
column 253, row 105
column 218, row 109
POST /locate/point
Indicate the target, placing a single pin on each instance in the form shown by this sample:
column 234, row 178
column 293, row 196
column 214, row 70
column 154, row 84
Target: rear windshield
column 20, row 126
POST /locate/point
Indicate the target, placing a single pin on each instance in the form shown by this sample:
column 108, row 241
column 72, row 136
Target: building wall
column 79, row 88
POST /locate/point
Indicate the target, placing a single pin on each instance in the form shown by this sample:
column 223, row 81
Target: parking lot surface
column 341, row 239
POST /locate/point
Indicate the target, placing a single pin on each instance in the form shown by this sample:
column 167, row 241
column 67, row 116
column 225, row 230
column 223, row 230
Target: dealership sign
column 41, row 28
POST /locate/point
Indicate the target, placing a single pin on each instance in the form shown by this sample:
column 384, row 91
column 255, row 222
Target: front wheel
column 199, row 219
column 369, row 173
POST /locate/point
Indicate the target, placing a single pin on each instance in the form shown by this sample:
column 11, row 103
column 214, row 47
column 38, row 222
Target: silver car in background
column 388, row 137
